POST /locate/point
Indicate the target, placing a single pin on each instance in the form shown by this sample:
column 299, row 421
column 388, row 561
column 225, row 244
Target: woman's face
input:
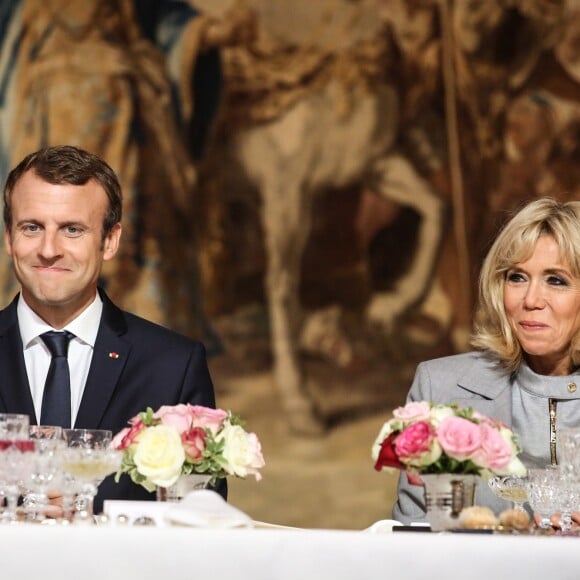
column 542, row 303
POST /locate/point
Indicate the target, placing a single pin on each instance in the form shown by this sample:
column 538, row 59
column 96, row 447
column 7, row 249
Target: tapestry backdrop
column 309, row 186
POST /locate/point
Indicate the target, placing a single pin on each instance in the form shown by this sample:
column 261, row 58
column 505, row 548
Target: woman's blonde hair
column 514, row 244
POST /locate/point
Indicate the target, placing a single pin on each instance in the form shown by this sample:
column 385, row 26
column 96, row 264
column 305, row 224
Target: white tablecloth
column 101, row 553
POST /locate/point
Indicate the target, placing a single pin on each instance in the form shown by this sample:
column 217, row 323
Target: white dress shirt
column 37, row 357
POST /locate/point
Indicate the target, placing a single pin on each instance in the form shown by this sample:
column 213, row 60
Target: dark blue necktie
column 56, row 396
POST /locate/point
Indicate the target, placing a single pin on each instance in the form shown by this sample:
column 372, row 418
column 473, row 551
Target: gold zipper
column 553, row 404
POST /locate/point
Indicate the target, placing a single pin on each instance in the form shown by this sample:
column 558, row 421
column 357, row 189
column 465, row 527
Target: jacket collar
column 488, row 379
column 491, row 385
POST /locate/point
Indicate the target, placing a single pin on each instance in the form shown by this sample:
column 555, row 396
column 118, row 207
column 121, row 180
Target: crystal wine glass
column 88, row 458
column 15, row 465
column 44, row 432
column 567, row 496
column 511, row 488
column 569, row 466
column 569, row 450
column 542, row 494
column 45, row 473
column 13, row 427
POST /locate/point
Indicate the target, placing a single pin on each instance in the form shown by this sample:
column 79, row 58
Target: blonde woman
column 524, row 370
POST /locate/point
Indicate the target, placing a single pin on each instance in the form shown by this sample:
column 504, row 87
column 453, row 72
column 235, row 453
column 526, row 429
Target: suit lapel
column 109, row 358
column 15, row 396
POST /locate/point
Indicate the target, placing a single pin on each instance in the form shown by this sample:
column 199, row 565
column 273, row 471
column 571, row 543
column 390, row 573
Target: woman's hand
column 555, row 520
column 54, row 508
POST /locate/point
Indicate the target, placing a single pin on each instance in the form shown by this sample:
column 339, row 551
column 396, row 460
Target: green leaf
column 235, row 419
column 147, row 417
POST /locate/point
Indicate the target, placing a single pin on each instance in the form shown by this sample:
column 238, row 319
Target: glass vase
column 182, row 487
column 446, row 494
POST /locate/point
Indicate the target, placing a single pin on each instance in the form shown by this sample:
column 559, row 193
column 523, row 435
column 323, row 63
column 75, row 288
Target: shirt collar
column 85, row 326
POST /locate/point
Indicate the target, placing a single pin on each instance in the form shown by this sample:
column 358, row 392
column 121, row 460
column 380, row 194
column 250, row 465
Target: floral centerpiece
column 160, row 446
column 425, row 438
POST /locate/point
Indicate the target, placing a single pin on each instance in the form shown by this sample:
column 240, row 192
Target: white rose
column 159, row 455
column 386, row 430
column 440, row 412
column 514, row 467
column 510, row 439
column 242, row 451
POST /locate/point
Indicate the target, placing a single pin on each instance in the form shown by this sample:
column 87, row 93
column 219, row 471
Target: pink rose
column 194, row 443
column 495, row 452
column 414, row 441
column 489, row 421
column 119, row 439
column 459, row 437
column 483, row 419
column 415, row 411
column 126, row 437
column 178, row 416
column 207, row 418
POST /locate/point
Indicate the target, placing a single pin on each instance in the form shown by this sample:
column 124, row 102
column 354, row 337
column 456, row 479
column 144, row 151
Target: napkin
column 205, row 508
column 382, row 527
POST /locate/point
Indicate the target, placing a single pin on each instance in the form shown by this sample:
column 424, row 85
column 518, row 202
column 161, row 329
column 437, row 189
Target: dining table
column 262, row 552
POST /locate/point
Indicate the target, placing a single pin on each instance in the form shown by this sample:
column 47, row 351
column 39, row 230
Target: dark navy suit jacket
column 136, row 364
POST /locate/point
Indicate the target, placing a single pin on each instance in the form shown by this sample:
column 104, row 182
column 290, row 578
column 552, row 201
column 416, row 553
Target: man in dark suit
column 62, row 214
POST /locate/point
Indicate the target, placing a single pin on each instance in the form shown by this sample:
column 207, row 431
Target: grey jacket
column 470, row 380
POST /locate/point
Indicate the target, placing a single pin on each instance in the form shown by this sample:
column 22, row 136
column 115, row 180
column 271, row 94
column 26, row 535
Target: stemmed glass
column 543, row 494
column 569, row 450
column 44, row 432
column 569, row 460
column 88, row 457
column 511, row 488
column 14, row 460
column 13, row 426
column 45, row 472
column 567, row 495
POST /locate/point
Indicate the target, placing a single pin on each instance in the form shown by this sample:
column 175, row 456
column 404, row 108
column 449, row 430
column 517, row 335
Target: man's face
column 56, row 245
